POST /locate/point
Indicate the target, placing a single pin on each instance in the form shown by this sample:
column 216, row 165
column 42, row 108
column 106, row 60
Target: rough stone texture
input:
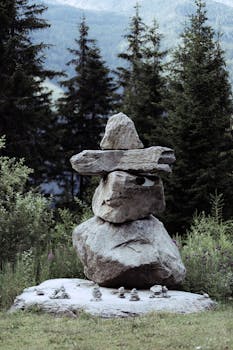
column 148, row 160
column 136, row 254
column 80, row 292
column 120, row 133
column 122, row 197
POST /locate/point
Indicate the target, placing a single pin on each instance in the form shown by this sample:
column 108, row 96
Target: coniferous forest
column 181, row 98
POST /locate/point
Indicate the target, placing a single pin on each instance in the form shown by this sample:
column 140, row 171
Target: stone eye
column 104, row 177
column 140, row 180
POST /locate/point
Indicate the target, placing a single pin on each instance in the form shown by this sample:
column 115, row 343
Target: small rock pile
column 124, row 244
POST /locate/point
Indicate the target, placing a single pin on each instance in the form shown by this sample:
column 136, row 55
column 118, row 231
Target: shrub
column 25, row 223
column 25, row 217
column 62, row 263
column 50, row 253
column 35, row 240
column 15, row 277
column 60, row 259
column 208, row 254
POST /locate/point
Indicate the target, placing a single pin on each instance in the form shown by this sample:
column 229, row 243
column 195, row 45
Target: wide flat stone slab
column 136, row 254
column 122, row 197
column 120, row 133
column 80, row 293
column 143, row 161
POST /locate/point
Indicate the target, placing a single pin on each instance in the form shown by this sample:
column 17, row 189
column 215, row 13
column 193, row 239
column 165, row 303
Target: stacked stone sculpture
column 156, row 291
column 121, row 292
column 60, row 293
column 96, row 294
column 134, row 295
column 124, row 244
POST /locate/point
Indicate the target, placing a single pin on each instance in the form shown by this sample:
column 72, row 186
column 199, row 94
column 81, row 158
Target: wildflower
column 175, row 242
column 51, row 256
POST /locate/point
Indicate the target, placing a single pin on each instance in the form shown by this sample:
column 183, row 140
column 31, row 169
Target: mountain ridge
column 108, row 27
column 113, row 5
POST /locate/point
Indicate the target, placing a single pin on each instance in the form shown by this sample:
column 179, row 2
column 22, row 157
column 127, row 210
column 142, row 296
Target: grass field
column 29, row 331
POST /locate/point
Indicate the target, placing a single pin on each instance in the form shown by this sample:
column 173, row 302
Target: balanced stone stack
column 124, row 244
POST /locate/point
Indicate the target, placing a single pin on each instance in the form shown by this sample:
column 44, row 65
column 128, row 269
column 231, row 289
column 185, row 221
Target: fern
column 217, row 204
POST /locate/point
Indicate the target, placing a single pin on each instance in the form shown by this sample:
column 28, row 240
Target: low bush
column 15, row 277
column 35, row 240
column 61, row 263
column 25, row 216
column 56, row 260
column 207, row 253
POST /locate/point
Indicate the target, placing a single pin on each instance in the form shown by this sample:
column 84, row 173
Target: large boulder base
column 122, row 197
column 80, row 292
column 155, row 159
column 120, row 133
column 137, row 254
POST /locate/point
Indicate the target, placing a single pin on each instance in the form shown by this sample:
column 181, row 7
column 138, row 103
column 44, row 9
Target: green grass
column 29, row 331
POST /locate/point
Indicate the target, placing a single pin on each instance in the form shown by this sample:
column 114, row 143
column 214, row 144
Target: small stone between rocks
column 164, row 292
column 205, row 295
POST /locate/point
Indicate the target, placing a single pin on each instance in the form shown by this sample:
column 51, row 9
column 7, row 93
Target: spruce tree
column 133, row 55
column 199, row 105
column 142, row 80
column 86, row 103
column 25, row 113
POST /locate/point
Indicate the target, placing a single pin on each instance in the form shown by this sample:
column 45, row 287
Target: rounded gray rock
column 136, row 254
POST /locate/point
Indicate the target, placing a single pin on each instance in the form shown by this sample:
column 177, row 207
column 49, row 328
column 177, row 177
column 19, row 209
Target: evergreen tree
column 25, row 113
column 134, row 52
column 200, row 106
column 142, row 81
column 86, row 103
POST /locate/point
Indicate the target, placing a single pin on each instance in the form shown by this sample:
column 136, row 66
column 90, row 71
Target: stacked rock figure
column 124, row 244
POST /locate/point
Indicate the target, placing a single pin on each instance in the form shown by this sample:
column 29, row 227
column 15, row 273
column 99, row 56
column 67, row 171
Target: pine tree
column 142, row 81
column 86, row 103
column 133, row 55
column 200, row 106
column 25, row 113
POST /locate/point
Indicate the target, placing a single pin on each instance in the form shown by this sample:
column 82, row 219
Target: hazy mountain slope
column 96, row 5
column 108, row 21
column 117, row 5
column 226, row 2
column 64, row 20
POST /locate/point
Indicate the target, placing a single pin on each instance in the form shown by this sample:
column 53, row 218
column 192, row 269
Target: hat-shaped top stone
column 120, row 133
